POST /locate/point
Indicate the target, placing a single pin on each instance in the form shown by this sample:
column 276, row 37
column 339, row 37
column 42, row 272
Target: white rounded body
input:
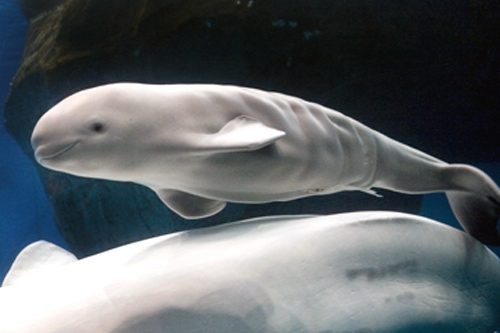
column 358, row 272
column 164, row 129
column 200, row 146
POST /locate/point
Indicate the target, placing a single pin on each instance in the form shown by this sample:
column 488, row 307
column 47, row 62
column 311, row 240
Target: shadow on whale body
column 247, row 146
column 354, row 272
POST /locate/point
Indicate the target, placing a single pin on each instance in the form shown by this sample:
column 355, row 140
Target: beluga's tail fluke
column 475, row 203
column 474, row 197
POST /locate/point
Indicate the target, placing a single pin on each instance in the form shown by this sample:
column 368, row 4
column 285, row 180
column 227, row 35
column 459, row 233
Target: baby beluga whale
column 199, row 146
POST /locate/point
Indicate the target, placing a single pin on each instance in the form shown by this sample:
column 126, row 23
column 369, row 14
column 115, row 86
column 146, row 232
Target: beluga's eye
column 97, row 127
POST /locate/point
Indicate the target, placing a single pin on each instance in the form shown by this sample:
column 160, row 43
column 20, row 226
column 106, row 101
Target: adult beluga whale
column 378, row 272
column 200, row 146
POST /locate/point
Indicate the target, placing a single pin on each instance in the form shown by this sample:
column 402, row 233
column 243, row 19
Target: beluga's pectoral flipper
column 190, row 206
column 238, row 135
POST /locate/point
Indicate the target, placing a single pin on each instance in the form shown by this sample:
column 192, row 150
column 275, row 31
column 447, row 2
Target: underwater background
column 25, row 212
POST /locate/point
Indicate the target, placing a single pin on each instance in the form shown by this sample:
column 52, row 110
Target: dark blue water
column 25, row 215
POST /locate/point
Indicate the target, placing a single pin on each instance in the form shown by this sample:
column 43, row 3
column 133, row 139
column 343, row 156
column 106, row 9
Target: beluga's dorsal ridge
column 336, row 273
column 199, row 146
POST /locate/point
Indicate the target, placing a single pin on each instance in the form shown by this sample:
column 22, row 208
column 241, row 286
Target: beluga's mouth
column 46, row 153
